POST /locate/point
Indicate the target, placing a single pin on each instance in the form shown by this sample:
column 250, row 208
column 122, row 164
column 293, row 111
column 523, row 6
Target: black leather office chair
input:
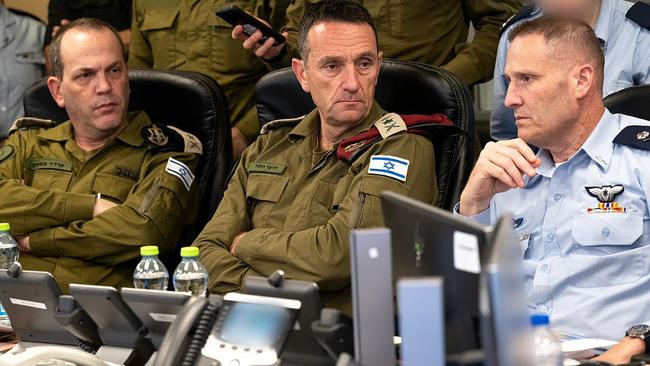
column 632, row 101
column 189, row 100
column 404, row 88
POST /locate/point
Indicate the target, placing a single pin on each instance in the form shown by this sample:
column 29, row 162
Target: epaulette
column 430, row 126
column 26, row 123
column 278, row 123
column 525, row 12
column 637, row 137
column 640, row 14
column 161, row 138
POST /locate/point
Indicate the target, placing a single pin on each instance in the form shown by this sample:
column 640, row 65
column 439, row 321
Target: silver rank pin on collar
column 643, row 135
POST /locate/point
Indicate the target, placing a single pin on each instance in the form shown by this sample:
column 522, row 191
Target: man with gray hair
column 580, row 205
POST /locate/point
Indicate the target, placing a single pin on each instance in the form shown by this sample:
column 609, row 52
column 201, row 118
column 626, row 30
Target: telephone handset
column 240, row 329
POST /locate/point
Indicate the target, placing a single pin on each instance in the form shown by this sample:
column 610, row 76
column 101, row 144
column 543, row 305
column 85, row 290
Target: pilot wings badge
column 606, row 196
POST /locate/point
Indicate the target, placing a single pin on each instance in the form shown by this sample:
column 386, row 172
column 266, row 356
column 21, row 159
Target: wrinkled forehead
column 532, row 53
column 89, row 48
column 341, row 39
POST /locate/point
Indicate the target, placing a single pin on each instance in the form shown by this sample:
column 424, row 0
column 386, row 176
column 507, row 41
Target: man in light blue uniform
column 580, row 206
column 21, row 62
column 623, row 29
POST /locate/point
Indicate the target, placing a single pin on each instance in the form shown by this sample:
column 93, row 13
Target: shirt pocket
column 263, row 193
column 51, row 180
column 115, row 188
column 228, row 57
column 158, row 27
column 610, row 258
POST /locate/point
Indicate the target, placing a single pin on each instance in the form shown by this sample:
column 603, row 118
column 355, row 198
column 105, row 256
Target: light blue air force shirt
column 21, row 63
column 627, row 61
column 585, row 247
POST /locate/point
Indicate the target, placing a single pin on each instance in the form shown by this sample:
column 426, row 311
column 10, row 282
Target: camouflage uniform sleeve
column 474, row 61
column 28, row 209
column 153, row 213
column 140, row 54
column 321, row 254
column 232, row 217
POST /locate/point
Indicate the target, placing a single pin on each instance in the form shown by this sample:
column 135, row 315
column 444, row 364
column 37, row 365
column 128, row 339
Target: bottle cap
column 189, row 252
column 537, row 320
column 148, row 250
column 4, row 226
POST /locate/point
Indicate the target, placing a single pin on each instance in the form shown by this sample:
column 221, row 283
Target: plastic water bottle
column 150, row 273
column 8, row 247
column 8, row 255
column 190, row 275
column 548, row 351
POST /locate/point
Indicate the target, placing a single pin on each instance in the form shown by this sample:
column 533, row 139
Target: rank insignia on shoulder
column 390, row 124
column 31, row 122
column 640, row 14
column 606, row 196
column 389, row 166
column 161, row 138
column 634, row 136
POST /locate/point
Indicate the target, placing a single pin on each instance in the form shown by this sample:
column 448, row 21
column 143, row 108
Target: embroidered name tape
column 389, row 166
column 180, row 171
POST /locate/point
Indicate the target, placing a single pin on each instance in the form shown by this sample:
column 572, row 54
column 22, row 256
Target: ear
column 298, row 67
column 54, row 84
column 380, row 59
column 585, row 80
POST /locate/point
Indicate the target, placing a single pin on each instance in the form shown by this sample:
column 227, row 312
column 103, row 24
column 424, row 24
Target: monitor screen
column 255, row 325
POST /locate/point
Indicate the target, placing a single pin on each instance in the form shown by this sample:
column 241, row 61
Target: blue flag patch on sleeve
column 389, row 166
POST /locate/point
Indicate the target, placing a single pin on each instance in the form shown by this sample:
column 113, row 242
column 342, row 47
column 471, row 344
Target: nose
column 103, row 85
column 351, row 82
column 513, row 99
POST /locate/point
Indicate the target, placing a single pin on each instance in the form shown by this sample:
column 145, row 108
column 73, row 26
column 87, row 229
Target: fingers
column 264, row 50
column 251, row 42
column 507, row 161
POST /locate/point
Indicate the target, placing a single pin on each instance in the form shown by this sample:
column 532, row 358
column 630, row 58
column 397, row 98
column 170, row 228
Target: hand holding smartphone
column 236, row 16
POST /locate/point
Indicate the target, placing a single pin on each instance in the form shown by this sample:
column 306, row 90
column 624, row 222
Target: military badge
column 606, row 196
column 156, row 136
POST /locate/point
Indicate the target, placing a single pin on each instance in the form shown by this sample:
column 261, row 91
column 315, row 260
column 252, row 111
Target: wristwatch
column 641, row 332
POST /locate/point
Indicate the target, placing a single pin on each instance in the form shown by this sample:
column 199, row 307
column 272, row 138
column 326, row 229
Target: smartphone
column 236, row 16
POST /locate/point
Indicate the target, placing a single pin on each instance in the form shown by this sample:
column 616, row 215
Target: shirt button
column 544, row 267
column 543, row 309
column 557, row 197
column 550, row 237
column 606, row 232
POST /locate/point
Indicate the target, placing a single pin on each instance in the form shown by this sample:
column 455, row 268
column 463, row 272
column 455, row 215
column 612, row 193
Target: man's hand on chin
column 23, row 244
column 235, row 241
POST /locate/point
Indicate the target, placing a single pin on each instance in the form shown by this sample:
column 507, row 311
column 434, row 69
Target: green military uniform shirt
column 49, row 187
column 298, row 205
column 430, row 31
column 187, row 35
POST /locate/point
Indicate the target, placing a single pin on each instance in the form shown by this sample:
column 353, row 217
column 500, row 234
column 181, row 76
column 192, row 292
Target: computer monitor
column 505, row 332
column 156, row 309
column 428, row 241
column 31, row 300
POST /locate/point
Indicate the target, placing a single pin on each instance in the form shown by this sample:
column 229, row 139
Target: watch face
column 638, row 331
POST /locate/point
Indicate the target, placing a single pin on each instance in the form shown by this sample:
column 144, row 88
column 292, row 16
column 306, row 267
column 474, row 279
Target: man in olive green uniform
column 84, row 195
column 187, row 35
column 428, row 31
column 305, row 183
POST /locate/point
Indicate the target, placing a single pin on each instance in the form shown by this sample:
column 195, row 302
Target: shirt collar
column 311, row 123
column 598, row 146
column 130, row 136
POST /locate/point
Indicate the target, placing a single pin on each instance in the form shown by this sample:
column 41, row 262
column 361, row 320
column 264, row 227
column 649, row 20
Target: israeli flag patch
column 180, row 171
column 389, row 166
